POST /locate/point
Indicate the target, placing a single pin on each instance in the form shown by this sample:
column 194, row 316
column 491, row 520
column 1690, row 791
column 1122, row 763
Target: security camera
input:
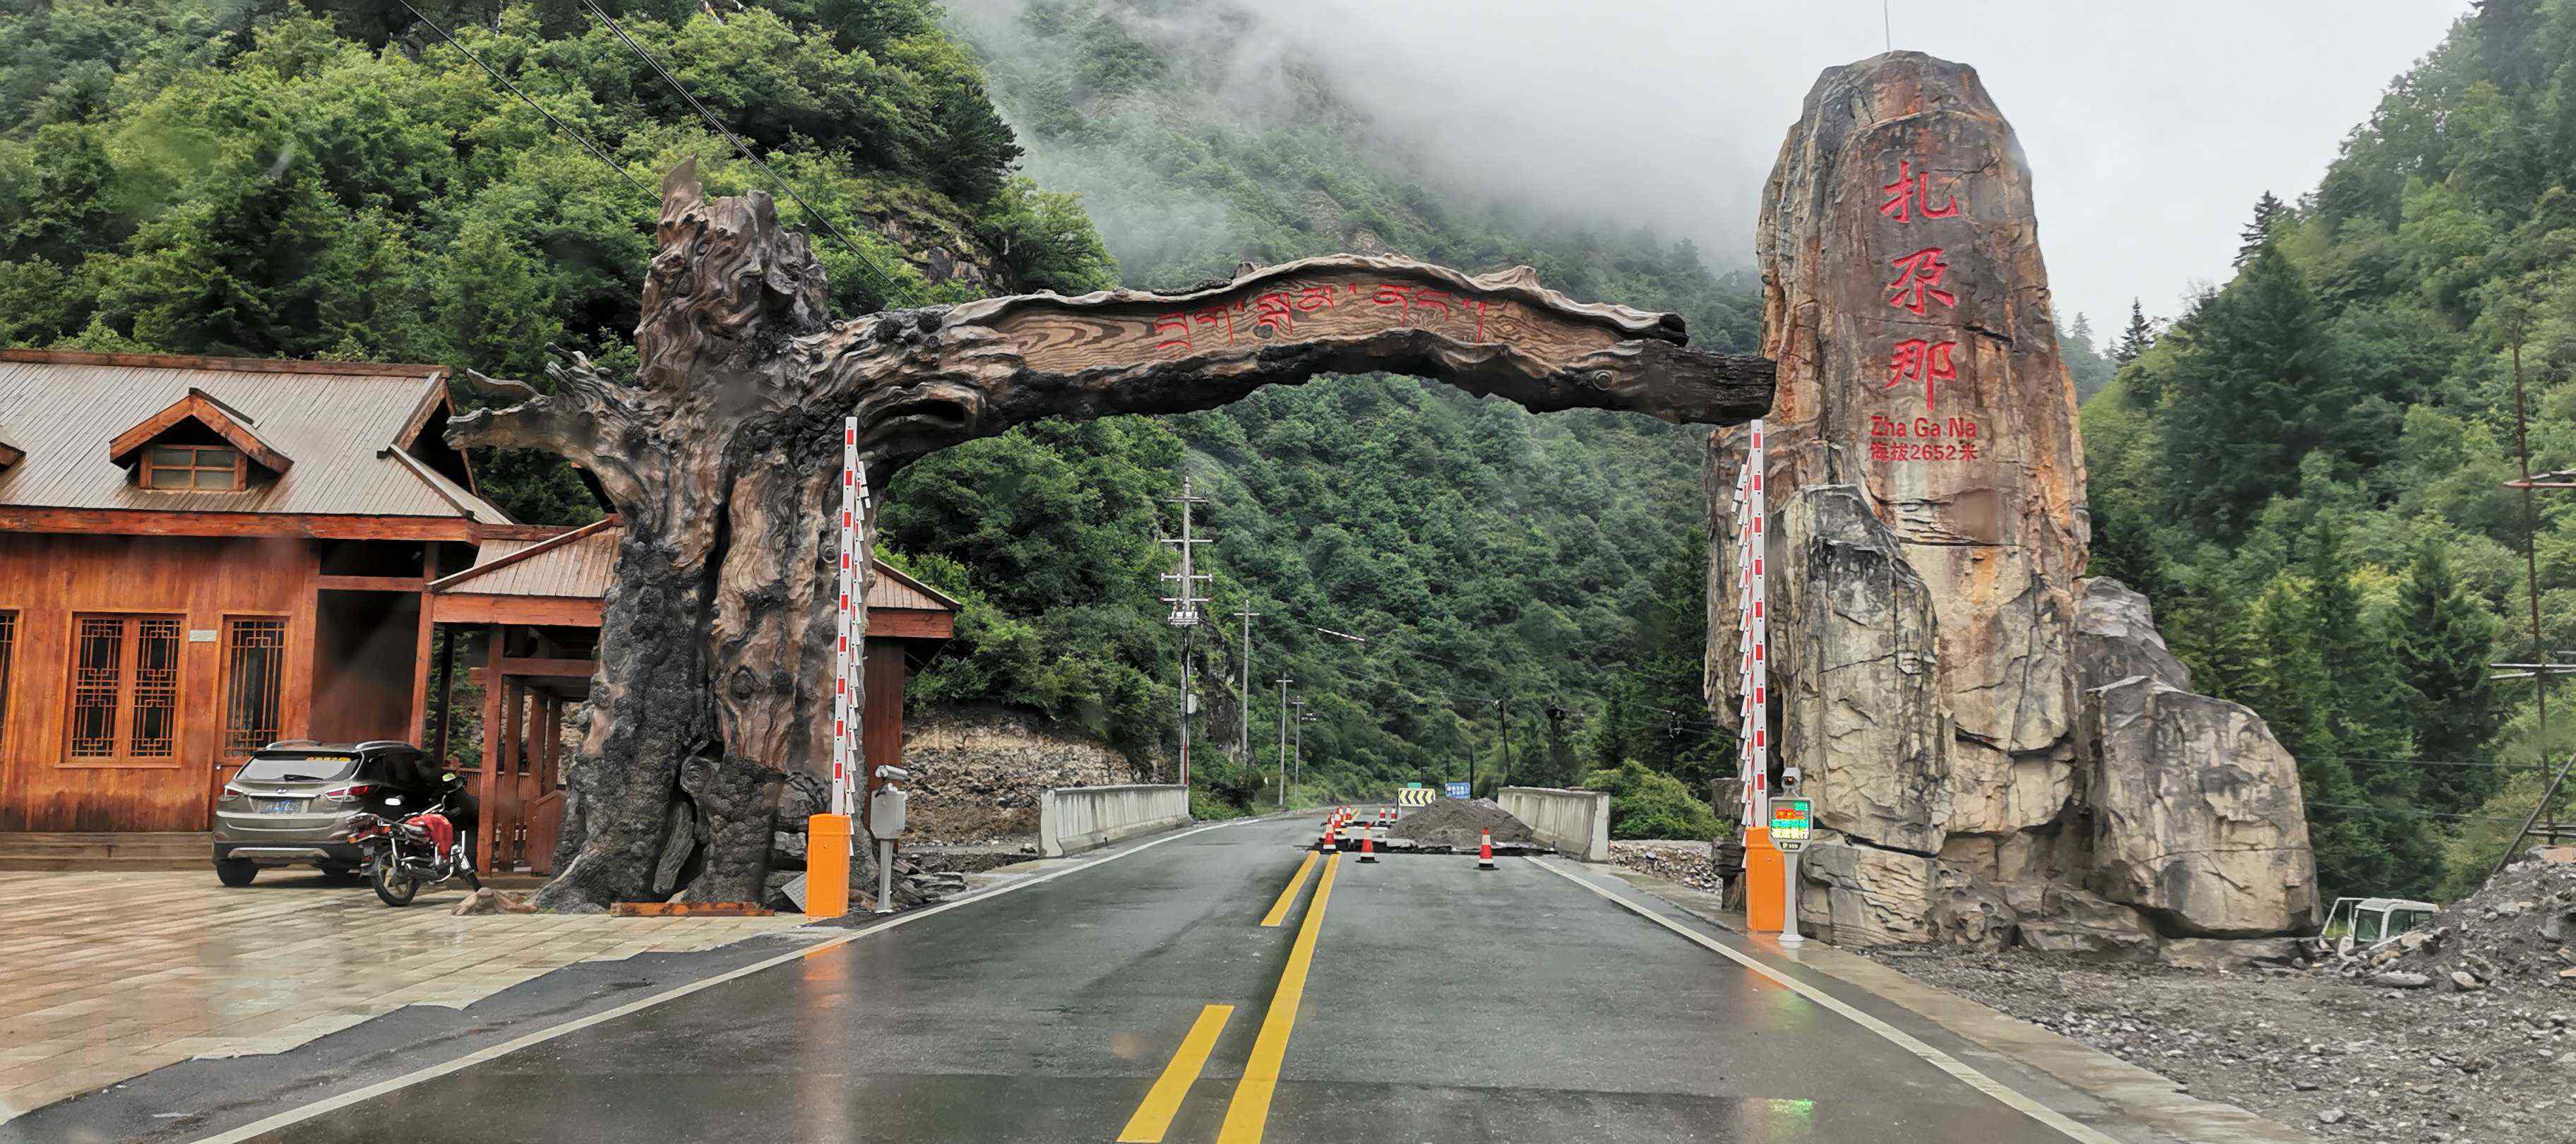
column 897, row 774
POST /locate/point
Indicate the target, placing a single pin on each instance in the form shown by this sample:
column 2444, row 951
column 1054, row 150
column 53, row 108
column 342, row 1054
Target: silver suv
column 290, row 804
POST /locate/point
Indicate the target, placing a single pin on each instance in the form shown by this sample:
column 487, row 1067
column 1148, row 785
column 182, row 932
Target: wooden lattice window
column 254, row 670
column 198, row 468
column 125, row 687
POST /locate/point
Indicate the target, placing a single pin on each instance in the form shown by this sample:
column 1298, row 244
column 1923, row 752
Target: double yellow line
column 1249, row 1112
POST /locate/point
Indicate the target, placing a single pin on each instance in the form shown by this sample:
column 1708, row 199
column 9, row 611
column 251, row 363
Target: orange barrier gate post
column 1764, row 882
column 827, row 866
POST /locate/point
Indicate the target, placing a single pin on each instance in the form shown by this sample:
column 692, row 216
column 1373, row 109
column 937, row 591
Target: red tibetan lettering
column 1176, row 322
column 1912, row 192
column 1915, row 359
column 1313, row 298
column 1918, row 277
column 1215, row 315
column 1273, row 312
column 1430, row 299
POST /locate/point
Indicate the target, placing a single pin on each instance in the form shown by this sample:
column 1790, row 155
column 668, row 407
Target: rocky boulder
column 1879, row 770
column 2085, row 925
column 1857, row 894
column 2197, row 815
column 2116, row 637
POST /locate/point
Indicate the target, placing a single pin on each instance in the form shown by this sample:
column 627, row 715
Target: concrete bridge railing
column 1576, row 822
column 1074, row 819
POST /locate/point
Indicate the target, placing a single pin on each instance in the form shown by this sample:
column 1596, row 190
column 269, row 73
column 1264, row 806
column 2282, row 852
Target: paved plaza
column 105, row 976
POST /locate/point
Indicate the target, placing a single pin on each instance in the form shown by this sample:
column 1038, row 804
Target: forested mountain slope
column 2306, row 471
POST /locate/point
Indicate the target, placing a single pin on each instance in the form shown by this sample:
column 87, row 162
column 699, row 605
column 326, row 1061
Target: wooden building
column 202, row 555
column 527, row 614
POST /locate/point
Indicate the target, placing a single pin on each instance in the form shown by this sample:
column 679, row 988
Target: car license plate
column 279, row 805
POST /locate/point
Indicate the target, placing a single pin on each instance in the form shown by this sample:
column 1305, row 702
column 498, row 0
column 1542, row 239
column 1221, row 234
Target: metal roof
column 340, row 422
column 581, row 562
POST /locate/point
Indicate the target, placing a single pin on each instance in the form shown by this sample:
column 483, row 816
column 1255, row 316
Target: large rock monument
column 1993, row 742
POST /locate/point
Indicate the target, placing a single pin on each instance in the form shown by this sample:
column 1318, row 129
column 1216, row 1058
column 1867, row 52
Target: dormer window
column 197, row 468
column 197, row 445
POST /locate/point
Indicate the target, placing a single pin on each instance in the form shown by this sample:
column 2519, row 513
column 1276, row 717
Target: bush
column 1648, row 804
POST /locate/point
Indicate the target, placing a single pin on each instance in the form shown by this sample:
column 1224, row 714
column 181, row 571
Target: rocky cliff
column 977, row 771
column 1994, row 744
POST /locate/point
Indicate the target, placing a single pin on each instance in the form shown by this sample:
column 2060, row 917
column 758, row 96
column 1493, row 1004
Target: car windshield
column 294, row 768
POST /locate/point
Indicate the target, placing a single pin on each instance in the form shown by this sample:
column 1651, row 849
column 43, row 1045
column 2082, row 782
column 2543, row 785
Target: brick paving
column 106, row 976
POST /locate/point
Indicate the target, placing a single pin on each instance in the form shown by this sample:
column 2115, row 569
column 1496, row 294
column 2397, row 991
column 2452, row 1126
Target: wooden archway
column 722, row 457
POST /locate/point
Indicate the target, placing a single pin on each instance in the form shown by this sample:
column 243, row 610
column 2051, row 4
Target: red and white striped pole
column 1753, row 622
column 846, row 757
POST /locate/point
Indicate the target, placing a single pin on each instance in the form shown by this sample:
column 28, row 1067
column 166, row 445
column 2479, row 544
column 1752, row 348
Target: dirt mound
column 1459, row 823
column 2517, row 933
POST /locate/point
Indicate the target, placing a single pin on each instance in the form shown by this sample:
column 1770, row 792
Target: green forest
column 2306, row 468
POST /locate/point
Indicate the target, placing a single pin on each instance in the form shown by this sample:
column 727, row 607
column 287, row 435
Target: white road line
column 1938, row 1059
column 492, row 1052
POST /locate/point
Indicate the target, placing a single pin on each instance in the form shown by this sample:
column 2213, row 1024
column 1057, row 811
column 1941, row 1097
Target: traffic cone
column 1485, row 850
column 1368, row 847
column 1327, row 844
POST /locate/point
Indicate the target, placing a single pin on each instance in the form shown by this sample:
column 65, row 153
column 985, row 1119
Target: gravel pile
column 1459, row 823
column 1674, row 860
column 2343, row 1059
column 2516, row 934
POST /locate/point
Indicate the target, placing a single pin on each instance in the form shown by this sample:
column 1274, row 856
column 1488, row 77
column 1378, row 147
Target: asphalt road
column 1415, row 999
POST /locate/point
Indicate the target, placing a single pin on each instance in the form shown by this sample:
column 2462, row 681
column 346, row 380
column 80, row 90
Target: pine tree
column 2255, row 388
column 2134, row 340
column 2444, row 639
column 2258, row 233
column 2368, row 702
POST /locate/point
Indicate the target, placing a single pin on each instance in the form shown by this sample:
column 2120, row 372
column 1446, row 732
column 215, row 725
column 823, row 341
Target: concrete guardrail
column 1576, row 822
column 1074, row 819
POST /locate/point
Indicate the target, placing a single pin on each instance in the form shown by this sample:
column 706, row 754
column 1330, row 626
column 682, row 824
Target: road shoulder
column 2134, row 1095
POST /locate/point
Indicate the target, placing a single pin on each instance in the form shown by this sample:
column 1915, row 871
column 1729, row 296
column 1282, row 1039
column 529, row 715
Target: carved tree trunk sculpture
column 723, row 454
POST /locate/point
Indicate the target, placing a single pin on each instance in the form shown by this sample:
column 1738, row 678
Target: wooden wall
column 46, row 578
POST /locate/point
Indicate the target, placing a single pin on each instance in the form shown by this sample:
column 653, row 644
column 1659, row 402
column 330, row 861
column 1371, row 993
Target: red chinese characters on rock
column 1911, row 194
column 1275, row 313
column 1918, row 278
column 1918, row 359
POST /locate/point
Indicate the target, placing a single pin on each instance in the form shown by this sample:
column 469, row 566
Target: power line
column 673, row 81
column 595, row 150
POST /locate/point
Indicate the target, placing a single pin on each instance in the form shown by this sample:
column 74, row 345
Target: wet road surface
column 1414, row 999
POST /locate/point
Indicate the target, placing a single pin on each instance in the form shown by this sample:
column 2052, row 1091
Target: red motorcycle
column 402, row 855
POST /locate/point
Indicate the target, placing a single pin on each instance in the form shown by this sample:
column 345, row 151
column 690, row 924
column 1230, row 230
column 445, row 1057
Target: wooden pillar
column 446, row 693
column 417, row 730
column 487, row 784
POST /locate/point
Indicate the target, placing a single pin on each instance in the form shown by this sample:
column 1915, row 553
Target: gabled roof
column 581, row 562
column 201, row 407
column 349, row 431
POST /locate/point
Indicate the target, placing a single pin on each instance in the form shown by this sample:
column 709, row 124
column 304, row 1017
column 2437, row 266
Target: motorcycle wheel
column 392, row 886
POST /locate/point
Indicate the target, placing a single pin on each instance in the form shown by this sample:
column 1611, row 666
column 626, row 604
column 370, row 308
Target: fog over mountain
column 2150, row 130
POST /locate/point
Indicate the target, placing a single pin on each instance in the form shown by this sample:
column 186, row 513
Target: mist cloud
column 2150, row 130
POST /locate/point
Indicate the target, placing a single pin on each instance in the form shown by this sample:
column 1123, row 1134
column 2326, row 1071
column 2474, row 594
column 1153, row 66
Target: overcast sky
column 2150, row 128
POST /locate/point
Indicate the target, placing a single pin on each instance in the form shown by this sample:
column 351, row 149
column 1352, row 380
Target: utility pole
column 1283, row 742
column 1243, row 745
column 1297, row 751
column 2531, row 535
column 1185, row 609
column 1503, row 712
column 1303, row 717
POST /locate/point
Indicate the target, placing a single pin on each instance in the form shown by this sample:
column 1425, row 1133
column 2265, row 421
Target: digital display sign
column 1791, row 821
